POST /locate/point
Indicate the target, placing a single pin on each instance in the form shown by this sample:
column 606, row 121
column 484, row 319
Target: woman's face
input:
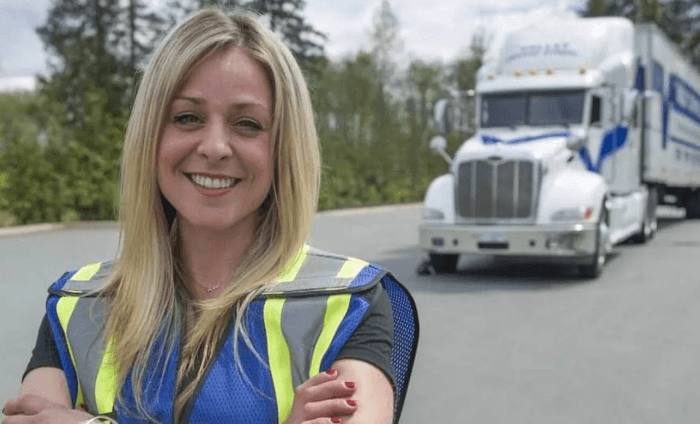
column 215, row 155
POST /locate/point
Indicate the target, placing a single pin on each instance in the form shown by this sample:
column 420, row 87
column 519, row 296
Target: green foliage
column 54, row 173
column 375, row 144
column 96, row 43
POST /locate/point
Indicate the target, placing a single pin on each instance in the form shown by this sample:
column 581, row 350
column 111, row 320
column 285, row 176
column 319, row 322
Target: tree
column 76, row 35
column 464, row 70
column 385, row 42
column 425, row 81
column 286, row 19
column 138, row 29
column 96, row 43
column 283, row 16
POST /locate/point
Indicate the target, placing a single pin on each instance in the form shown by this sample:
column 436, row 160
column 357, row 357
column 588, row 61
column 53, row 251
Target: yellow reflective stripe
column 336, row 308
column 278, row 358
column 291, row 269
column 106, row 383
column 87, row 272
column 64, row 309
column 351, row 268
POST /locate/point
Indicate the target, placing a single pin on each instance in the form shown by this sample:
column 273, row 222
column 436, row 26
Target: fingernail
column 349, row 384
column 335, row 420
column 331, row 372
column 351, row 402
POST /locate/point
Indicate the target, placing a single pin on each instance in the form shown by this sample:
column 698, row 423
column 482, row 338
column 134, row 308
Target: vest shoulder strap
column 84, row 282
column 315, row 272
column 310, row 272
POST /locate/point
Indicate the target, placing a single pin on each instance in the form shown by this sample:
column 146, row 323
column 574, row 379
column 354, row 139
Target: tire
column 444, row 264
column 594, row 269
column 692, row 206
column 649, row 223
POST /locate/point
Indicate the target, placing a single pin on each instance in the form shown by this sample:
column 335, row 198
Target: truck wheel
column 444, row 264
column 649, row 223
column 692, row 206
column 595, row 267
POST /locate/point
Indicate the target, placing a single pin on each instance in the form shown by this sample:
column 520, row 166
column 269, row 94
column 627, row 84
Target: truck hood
column 538, row 144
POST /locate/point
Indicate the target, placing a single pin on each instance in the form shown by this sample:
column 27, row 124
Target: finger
column 29, row 405
column 324, row 420
column 320, row 378
column 329, row 390
column 18, row 419
column 329, row 408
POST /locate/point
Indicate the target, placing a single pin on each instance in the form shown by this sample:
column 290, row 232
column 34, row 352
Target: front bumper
column 567, row 242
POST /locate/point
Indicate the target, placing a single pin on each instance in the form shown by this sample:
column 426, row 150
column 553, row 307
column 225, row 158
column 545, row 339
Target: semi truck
column 583, row 127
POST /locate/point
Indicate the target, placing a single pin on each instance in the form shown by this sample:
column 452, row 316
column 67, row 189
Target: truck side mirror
column 629, row 101
column 438, row 144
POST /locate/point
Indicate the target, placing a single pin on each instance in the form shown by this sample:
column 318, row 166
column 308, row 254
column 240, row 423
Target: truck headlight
column 431, row 214
column 572, row 214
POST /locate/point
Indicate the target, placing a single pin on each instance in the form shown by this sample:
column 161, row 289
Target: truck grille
column 492, row 190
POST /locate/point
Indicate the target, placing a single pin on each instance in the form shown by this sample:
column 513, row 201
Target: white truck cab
column 573, row 149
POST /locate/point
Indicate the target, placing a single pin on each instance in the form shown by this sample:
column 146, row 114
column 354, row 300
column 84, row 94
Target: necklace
column 208, row 287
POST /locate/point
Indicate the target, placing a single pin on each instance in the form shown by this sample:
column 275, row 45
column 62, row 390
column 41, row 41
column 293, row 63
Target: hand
column 32, row 409
column 322, row 399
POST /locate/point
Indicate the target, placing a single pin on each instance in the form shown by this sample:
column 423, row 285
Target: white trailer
column 583, row 127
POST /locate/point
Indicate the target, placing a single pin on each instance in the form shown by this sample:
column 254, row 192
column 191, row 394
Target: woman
column 215, row 310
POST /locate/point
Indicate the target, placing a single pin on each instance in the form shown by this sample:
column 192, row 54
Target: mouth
column 205, row 181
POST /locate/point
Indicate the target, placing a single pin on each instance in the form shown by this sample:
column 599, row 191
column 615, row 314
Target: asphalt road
column 501, row 341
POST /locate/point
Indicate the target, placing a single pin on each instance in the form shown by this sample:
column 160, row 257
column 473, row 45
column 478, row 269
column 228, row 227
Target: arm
column 374, row 393
column 49, row 383
column 44, row 398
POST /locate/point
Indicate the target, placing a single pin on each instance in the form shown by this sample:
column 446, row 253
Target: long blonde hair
column 145, row 288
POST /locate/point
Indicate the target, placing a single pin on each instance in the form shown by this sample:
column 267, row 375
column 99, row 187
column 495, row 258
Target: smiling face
column 215, row 154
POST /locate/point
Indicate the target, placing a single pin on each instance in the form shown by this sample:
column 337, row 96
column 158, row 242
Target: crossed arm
column 323, row 399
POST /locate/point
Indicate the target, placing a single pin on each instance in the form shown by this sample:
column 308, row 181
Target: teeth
column 209, row 182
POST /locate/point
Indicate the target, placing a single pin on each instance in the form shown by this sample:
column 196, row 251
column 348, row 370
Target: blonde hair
column 145, row 288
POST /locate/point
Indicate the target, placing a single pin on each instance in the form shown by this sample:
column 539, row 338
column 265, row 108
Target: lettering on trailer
column 545, row 49
column 682, row 99
column 691, row 158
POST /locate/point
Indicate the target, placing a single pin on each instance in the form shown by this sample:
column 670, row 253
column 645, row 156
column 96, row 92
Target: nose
column 215, row 144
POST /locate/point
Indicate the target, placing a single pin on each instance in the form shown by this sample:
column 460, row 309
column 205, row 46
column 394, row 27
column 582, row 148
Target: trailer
column 583, row 128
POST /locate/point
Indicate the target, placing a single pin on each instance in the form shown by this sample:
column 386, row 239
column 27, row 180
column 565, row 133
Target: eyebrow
column 194, row 100
column 199, row 101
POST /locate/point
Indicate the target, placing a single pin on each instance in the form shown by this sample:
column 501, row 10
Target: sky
column 429, row 29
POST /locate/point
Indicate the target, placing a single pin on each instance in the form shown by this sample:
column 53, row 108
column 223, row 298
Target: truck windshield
column 532, row 108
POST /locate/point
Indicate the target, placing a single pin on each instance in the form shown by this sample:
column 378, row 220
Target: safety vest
column 297, row 329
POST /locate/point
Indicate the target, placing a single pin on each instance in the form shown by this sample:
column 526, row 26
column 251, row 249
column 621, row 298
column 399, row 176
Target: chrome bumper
column 567, row 241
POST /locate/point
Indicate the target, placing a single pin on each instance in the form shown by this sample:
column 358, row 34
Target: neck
column 212, row 256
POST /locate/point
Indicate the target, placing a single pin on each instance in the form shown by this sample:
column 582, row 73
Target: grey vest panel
column 90, row 287
column 302, row 322
column 84, row 334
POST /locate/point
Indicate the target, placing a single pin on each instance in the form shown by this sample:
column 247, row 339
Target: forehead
column 228, row 72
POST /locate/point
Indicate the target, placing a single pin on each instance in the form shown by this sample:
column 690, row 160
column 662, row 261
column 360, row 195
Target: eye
column 249, row 126
column 187, row 119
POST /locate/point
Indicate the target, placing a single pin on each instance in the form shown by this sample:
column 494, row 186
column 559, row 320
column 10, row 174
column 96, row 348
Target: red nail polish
column 335, row 420
column 331, row 372
column 351, row 402
column 349, row 384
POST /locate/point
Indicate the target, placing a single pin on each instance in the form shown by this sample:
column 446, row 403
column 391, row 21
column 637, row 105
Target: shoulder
column 82, row 281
